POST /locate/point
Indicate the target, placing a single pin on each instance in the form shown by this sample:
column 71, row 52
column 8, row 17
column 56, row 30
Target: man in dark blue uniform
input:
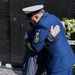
column 34, row 63
column 59, row 56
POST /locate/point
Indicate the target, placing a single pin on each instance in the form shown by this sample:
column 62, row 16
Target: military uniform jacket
column 59, row 55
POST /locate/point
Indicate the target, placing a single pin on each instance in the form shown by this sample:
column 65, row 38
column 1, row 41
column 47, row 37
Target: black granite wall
column 13, row 25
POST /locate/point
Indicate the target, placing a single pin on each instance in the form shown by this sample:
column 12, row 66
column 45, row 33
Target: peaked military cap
column 32, row 10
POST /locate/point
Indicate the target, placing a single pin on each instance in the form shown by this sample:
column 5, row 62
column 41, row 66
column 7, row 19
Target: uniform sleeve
column 39, row 39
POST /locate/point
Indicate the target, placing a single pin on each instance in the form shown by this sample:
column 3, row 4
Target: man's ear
column 37, row 16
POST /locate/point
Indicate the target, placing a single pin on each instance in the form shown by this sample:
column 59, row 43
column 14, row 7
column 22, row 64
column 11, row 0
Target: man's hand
column 54, row 31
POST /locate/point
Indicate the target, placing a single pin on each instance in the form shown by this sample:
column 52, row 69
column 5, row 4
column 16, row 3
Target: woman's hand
column 54, row 31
